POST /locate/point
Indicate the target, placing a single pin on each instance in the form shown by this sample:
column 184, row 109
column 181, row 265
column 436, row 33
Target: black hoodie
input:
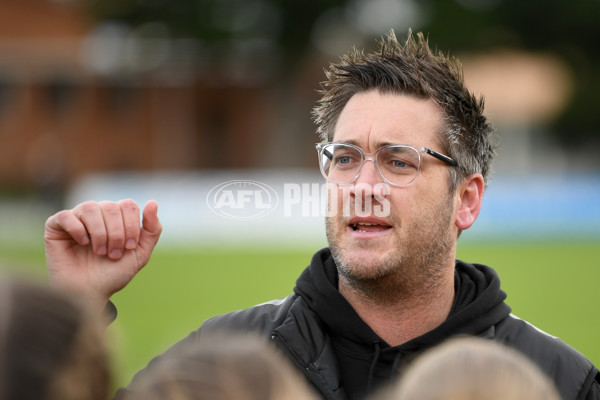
column 365, row 360
column 343, row 358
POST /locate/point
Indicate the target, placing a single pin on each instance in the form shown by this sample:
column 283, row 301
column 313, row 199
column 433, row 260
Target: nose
column 368, row 173
column 367, row 179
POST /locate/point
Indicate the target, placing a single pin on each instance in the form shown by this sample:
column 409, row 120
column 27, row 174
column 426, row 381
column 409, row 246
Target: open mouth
column 369, row 227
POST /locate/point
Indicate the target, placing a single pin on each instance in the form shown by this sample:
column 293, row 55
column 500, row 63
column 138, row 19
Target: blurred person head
column 222, row 367
column 412, row 68
column 470, row 368
column 51, row 347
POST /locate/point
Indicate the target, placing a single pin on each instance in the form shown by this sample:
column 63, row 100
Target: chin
column 360, row 264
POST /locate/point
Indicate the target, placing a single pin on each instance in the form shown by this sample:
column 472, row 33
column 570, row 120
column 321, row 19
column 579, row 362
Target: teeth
column 356, row 229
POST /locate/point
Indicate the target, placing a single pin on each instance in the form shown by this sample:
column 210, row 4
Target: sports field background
column 553, row 285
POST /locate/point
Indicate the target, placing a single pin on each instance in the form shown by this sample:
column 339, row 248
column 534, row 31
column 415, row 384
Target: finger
column 91, row 216
column 65, row 225
column 115, row 230
column 131, row 222
column 151, row 228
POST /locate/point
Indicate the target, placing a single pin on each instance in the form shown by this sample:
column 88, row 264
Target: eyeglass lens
column 341, row 163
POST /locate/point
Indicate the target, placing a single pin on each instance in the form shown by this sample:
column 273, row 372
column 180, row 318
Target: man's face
column 418, row 238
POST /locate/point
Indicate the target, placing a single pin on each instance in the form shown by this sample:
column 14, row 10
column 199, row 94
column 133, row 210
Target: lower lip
column 368, row 235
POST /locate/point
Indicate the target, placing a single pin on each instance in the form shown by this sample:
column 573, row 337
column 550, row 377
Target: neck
column 405, row 315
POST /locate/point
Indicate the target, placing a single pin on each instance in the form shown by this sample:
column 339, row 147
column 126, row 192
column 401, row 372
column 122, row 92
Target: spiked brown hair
column 412, row 68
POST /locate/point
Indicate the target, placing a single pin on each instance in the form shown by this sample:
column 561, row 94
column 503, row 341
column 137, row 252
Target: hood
column 318, row 286
column 478, row 305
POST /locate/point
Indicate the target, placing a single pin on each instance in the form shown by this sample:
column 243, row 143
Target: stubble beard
column 410, row 268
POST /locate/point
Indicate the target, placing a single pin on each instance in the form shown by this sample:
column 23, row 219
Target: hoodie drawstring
column 373, row 364
column 394, row 371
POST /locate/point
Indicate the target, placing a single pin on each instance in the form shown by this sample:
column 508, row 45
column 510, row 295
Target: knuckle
column 87, row 207
column 129, row 205
column 116, row 238
column 110, row 208
column 61, row 218
column 131, row 216
column 98, row 232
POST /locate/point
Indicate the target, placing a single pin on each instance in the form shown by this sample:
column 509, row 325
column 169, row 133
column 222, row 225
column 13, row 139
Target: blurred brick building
column 78, row 96
column 67, row 108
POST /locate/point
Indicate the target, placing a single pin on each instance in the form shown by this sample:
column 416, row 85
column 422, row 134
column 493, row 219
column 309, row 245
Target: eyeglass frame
column 442, row 157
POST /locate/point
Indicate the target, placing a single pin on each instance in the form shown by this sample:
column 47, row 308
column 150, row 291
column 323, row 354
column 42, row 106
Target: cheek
column 411, row 211
column 400, row 203
column 337, row 199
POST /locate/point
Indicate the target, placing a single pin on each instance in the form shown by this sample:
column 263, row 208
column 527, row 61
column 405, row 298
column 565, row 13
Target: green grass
column 552, row 285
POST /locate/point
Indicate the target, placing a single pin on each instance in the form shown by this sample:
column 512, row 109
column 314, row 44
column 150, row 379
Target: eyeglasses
column 398, row 165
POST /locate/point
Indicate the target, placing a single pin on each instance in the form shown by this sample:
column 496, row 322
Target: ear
column 469, row 196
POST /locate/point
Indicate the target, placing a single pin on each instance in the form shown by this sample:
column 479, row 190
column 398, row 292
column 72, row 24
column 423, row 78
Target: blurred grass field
column 552, row 285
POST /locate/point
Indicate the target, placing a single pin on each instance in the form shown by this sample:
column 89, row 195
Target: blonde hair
column 222, row 367
column 470, row 368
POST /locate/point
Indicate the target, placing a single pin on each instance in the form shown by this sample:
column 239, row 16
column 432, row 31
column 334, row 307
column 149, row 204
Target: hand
column 96, row 249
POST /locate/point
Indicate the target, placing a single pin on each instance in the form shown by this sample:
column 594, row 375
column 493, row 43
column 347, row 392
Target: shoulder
column 539, row 345
column 262, row 318
column 572, row 372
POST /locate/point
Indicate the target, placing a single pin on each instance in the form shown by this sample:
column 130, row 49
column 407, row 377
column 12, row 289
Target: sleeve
column 110, row 312
column 123, row 393
column 592, row 391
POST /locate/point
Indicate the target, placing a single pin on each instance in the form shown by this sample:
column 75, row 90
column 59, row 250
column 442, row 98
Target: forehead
column 371, row 119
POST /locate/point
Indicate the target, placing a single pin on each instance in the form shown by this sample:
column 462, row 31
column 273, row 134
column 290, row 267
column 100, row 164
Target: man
column 408, row 152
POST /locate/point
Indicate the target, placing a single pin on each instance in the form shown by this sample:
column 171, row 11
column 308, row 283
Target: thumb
column 151, row 227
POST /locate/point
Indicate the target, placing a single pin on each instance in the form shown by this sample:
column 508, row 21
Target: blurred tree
column 284, row 25
column 568, row 29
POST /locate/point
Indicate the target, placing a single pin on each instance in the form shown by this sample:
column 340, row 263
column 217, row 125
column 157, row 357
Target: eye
column 398, row 160
column 345, row 159
column 399, row 164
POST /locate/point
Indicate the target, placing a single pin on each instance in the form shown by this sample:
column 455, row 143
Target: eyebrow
column 378, row 145
column 349, row 141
